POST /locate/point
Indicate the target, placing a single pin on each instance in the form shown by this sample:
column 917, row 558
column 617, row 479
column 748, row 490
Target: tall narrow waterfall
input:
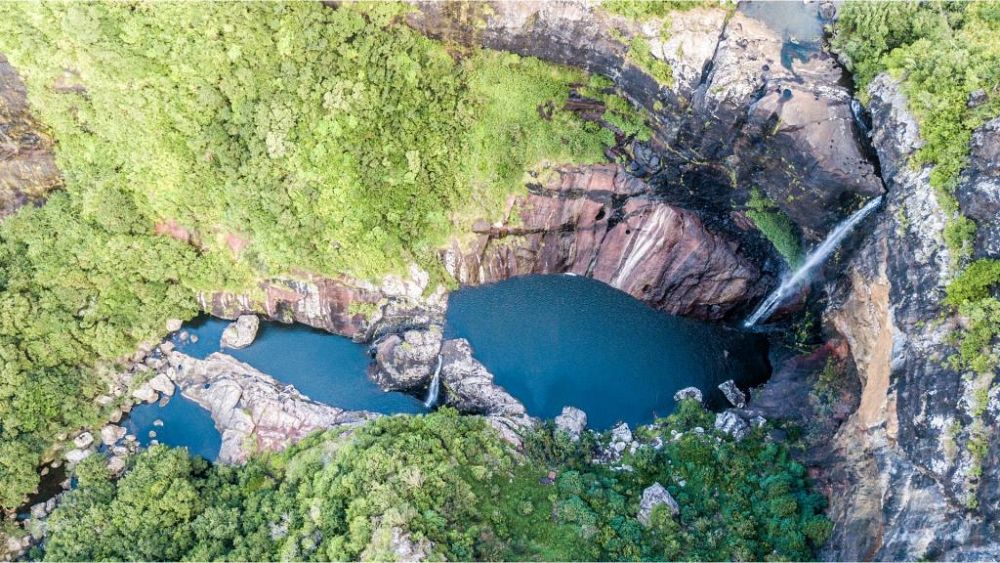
column 435, row 390
column 815, row 258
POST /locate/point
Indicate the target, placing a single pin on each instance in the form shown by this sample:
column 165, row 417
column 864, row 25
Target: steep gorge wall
column 918, row 490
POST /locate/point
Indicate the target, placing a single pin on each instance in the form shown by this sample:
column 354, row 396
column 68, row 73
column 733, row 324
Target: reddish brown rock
column 330, row 304
column 599, row 222
column 27, row 165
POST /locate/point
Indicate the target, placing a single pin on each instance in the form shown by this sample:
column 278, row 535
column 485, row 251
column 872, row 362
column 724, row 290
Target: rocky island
column 809, row 191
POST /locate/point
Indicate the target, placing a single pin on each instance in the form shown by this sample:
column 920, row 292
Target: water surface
column 184, row 425
column 565, row 340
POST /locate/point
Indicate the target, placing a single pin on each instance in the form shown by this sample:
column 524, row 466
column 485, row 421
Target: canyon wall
column 919, row 489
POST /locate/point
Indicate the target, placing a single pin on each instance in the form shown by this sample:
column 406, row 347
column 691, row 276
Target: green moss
column 776, row 226
column 641, row 55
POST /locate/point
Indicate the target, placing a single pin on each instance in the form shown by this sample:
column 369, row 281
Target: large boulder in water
column 240, row 333
column 406, row 361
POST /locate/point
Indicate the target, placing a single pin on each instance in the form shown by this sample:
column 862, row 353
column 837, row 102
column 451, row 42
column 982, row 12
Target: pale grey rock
column 241, row 332
column 161, row 383
column 621, row 434
column 76, row 456
column 572, row 421
column 173, row 325
column 84, row 440
column 116, row 465
column 732, row 423
column 38, row 511
column 111, row 434
column 252, row 410
column 653, row 496
column 689, row 393
column 469, row 387
column 733, row 394
column 167, row 347
column 146, row 394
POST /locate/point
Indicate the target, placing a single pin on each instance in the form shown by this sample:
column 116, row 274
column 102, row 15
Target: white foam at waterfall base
column 815, row 258
column 432, row 393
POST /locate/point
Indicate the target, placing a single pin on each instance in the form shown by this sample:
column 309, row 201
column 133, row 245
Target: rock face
column 572, row 421
column 740, row 112
column 914, row 485
column 27, row 163
column 600, row 222
column 733, row 394
column 408, row 360
column 653, row 496
column 241, row 332
column 252, row 410
column 979, row 187
column 688, row 393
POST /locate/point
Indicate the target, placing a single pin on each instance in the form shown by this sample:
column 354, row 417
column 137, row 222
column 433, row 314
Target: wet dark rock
column 979, row 188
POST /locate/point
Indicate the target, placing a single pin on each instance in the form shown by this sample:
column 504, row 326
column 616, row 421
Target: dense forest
column 457, row 490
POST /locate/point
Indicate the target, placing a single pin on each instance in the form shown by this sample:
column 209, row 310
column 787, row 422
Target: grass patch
column 776, row 227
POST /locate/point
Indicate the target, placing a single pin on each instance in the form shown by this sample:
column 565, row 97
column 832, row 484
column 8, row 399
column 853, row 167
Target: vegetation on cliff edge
column 457, row 491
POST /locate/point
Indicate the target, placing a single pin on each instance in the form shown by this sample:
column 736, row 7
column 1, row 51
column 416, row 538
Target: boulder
column 111, row 434
column 167, row 347
column 653, row 496
column 146, row 394
column 84, row 440
column 76, row 456
column 733, row 394
column 162, row 384
column 116, row 465
column 732, row 423
column 689, row 393
column 240, row 333
column 406, row 361
column 572, row 421
column 173, row 325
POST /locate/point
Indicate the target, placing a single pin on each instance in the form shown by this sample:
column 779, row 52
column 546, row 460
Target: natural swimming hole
column 551, row 341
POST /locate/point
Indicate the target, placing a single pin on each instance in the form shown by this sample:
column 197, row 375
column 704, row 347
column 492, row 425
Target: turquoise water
column 185, row 424
column 565, row 340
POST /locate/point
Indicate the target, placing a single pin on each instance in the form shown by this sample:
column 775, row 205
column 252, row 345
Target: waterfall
column 432, row 393
column 815, row 258
column 858, row 111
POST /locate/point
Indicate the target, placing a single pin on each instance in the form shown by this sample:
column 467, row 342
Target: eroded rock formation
column 916, row 486
column 252, row 411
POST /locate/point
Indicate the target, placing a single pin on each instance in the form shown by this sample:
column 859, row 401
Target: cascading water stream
column 435, row 389
column 815, row 258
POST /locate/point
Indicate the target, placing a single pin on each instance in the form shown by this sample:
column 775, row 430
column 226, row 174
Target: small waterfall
column 435, row 390
column 858, row 111
column 815, row 258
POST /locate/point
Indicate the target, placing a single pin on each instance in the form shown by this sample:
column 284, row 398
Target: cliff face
column 603, row 223
column 919, row 490
column 27, row 164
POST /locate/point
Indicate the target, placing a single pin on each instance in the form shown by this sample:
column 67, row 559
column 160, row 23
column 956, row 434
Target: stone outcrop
column 252, row 410
column 241, row 332
column 572, row 421
column 979, row 187
column 653, row 496
column 27, row 161
column 733, row 394
column 740, row 111
column 914, row 486
column 344, row 306
column 689, row 393
column 407, row 360
column 600, row 222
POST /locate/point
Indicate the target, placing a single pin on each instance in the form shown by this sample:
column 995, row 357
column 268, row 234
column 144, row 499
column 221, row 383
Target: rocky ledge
column 253, row 411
